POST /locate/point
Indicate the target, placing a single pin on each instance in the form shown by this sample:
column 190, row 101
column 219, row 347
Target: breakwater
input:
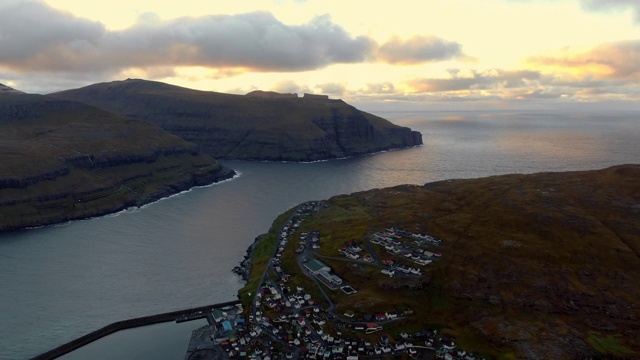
column 128, row 324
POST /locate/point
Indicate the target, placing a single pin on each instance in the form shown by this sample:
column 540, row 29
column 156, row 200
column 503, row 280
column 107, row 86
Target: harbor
column 173, row 316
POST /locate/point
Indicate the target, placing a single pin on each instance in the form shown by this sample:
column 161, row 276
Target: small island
column 517, row 266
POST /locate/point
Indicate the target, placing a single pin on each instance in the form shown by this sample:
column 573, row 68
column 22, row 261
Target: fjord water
column 60, row 282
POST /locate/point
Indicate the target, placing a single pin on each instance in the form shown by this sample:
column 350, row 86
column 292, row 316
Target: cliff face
column 62, row 160
column 257, row 126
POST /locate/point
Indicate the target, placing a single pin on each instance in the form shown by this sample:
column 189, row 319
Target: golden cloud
column 617, row 60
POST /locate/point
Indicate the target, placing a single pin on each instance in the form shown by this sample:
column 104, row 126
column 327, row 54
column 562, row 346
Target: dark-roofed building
column 316, row 266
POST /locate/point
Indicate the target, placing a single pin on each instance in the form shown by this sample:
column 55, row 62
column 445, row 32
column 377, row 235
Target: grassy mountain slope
column 63, row 160
column 533, row 266
column 256, row 126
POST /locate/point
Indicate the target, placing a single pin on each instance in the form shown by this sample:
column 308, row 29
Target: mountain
column 538, row 266
column 5, row 89
column 62, row 160
column 257, row 126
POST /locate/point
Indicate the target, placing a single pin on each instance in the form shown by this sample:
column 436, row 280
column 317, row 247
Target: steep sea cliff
column 256, row 126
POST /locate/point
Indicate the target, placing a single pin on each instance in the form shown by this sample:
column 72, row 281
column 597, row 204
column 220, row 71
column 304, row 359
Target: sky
column 390, row 53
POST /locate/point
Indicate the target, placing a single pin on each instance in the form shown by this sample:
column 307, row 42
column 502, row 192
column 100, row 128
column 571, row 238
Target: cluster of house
column 290, row 227
column 392, row 241
column 302, row 327
column 302, row 331
column 380, row 317
column 279, row 297
column 313, row 237
column 295, row 329
column 393, row 268
column 351, row 250
column 291, row 323
column 227, row 328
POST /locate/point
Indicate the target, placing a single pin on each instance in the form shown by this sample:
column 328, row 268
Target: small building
column 220, row 337
column 331, row 278
column 388, row 272
column 318, row 268
column 226, row 325
column 218, row 315
column 231, row 335
column 392, row 315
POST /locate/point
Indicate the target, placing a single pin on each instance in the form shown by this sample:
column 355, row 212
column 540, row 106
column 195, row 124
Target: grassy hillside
column 63, row 160
column 533, row 266
column 257, row 126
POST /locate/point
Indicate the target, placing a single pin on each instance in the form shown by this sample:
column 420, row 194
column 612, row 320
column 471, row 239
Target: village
column 285, row 321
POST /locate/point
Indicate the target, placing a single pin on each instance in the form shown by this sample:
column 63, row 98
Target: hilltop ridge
column 6, row 89
column 272, row 94
column 257, row 126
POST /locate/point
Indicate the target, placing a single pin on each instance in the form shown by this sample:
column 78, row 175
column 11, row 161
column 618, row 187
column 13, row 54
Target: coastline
column 172, row 189
column 255, row 249
column 175, row 189
column 374, row 152
column 244, row 268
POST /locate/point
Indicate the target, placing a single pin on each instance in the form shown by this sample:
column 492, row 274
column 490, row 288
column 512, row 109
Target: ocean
column 60, row 282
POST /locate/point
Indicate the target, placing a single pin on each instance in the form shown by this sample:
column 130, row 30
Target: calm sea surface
column 60, row 282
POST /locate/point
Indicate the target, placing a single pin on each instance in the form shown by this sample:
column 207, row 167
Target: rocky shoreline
column 51, row 215
column 244, row 269
column 222, row 174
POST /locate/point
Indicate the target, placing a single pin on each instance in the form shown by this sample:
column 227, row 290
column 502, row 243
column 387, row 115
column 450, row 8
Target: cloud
column 521, row 94
column 290, row 86
column 30, row 30
column 485, row 80
column 36, row 37
column 601, row 6
column 224, row 73
column 418, row 49
column 332, row 88
column 380, row 88
column 617, row 60
column 613, row 5
column 39, row 83
column 530, row 84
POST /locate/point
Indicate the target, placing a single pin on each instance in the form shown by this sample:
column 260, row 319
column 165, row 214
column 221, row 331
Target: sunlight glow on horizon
column 498, row 41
